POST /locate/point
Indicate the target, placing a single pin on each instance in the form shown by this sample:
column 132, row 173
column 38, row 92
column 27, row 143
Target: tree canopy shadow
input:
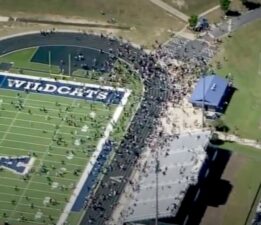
column 233, row 13
column 251, row 5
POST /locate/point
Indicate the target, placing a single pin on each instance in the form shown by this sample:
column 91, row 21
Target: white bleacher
column 180, row 160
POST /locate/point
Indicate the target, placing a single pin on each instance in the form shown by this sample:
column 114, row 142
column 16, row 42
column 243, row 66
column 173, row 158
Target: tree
column 193, row 20
column 224, row 4
column 219, row 125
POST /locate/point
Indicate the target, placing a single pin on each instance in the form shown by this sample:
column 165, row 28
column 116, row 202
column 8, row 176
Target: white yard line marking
column 11, row 124
column 33, row 121
column 36, row 206
column 93, row 159
column 97, row 107
column 50, row 109
column 25, row 142
column 28, row 221
column 57, row 178
column 30, row 143
column 31, row 128
column 19, row 195
column 26, row 135
column 41, row 115
column 26, row 150
column 34, row 136
column 22, row 212
column 41, row 160
column 36, row 190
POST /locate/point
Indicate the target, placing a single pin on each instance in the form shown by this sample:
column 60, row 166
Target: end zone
column 71, row 89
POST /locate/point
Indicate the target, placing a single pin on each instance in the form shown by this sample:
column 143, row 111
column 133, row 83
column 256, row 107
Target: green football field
column 61, row 134
column 31, row 132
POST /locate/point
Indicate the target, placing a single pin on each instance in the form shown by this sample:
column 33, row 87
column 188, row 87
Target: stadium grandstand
column 163, row 177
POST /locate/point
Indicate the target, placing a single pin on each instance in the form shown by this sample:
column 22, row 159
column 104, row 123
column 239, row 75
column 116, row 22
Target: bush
column 193, row 20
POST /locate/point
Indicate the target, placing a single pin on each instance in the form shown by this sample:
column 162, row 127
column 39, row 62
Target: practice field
column 242, row 54
column 56, row 60
column 61, row 134
column 20, row 62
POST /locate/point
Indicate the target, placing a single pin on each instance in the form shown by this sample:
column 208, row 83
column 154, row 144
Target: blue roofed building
column 212, row 90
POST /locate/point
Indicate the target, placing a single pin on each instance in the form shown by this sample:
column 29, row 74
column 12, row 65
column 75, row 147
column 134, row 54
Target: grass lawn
column 191, row 7
column 22, row 61
column 243, row 54
column 217, row 15
column 245, row 186
column 149, row 22
column 243, row 173
column 245, row 189
column 196, row 7
column 250, row 152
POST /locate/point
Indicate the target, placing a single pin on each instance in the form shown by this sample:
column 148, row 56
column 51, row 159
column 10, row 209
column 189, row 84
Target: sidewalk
column 241, row 141
column 209, row 10
column 171, row 10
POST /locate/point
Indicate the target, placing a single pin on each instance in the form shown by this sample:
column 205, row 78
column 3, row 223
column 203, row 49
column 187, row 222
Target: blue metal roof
column 215, row 87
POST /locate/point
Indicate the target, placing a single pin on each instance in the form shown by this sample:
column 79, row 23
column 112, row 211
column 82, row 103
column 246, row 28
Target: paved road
column 141, row 125
column 171, row 10
column 236, row 23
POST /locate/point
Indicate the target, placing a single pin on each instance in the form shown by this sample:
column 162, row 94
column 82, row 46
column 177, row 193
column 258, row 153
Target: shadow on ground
column 250, row 5
column 233, row 13
column 214, row 191
column 230, row 92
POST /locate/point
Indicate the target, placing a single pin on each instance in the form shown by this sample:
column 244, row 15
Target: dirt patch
column 179, row 3
column 12, row 28
column 215, row 215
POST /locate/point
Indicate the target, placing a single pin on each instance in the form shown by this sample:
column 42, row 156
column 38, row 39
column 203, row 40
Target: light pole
column 203, row 101
column 157, row 186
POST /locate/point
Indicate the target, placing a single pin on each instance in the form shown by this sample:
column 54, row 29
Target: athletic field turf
column 41, row 129
column 36, row 125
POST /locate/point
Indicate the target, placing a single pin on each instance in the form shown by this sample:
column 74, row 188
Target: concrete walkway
column 235, row 23
column 209, row 10
column 171, row 10
column 241, row 141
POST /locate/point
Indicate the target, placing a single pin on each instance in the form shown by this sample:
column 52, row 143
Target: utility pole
column 157, row 168
column 203, row 101
column 49, row 61
column 69, row 64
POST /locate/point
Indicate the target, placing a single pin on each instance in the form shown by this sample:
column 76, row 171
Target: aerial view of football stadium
column 140, row 112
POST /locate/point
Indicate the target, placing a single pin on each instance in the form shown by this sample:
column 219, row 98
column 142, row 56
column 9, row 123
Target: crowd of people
column 160, row 87
column 155, row 84
column 167, row 77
